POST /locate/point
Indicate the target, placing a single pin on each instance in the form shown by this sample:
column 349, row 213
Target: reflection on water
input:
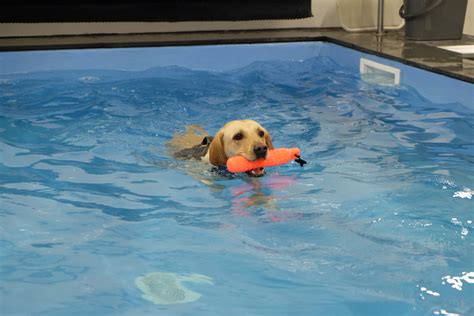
column 256, row 197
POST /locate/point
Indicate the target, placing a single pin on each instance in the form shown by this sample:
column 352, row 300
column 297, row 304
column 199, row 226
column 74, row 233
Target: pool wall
column 438, row 88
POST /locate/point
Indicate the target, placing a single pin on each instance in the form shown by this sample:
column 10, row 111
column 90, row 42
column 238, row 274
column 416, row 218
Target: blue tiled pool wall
column 438, row 88
column 434, row 87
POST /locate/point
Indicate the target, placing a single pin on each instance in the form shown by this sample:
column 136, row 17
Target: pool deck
column 393, row 45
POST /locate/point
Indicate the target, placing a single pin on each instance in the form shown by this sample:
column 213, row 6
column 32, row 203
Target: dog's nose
column 260, row 151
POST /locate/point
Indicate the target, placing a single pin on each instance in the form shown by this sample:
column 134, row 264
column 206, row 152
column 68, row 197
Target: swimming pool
column 97, row 219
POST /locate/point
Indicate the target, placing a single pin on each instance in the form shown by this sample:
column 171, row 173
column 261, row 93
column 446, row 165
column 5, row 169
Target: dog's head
column 245, row 138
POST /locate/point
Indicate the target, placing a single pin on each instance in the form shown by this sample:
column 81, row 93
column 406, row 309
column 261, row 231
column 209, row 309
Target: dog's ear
column 268, row 140
column 217, row 155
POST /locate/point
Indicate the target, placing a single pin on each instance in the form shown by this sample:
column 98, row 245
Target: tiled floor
column 423, row 54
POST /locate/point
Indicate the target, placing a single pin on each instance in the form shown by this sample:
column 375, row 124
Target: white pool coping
column 465, row 50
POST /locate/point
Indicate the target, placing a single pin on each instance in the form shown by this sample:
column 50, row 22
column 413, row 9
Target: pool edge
column 423, row 55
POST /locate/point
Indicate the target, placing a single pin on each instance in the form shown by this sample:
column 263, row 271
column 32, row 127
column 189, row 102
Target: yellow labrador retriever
column 245, row 138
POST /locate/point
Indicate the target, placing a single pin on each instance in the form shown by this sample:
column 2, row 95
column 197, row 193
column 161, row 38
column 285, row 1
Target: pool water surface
column 379, row 222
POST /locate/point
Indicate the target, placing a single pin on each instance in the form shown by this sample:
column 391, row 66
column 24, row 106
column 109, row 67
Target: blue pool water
column 380, row 221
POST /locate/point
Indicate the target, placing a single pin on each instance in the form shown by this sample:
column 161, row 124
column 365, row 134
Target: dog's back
column 195, row 152
column 193, row 143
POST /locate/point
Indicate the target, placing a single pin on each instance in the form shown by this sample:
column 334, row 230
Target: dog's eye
column 238, row 136
column 261, row 133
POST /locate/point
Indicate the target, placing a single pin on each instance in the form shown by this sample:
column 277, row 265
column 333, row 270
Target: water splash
column 457, row 282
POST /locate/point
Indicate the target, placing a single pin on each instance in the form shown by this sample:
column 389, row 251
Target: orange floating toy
column 275, row 157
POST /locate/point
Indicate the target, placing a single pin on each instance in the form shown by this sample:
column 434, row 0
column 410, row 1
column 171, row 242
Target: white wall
column 469, row 20
column 324, row 11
